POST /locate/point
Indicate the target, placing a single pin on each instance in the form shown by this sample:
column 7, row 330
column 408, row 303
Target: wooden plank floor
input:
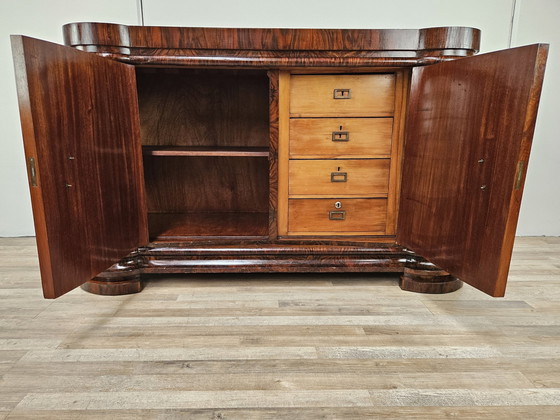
column 281, row 346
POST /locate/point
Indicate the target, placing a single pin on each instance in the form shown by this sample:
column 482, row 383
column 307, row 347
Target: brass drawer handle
column 342, row 94
column 340, row 136
column 339, row 177
column 337, row 215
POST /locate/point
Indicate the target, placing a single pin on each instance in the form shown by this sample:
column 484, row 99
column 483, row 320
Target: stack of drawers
column 340, row 133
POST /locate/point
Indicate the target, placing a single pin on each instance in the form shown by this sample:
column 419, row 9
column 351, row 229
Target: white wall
column 534, row 22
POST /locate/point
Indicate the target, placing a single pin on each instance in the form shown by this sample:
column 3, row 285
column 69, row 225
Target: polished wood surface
column 103, row 287
column 350, row 216
column 283, row 150
column 340, row 137
column 206, row 184
column 321, row 145
column 80, row 124
column 469, row 128
column 273, row 140
column 272, row 47
column 366, row 95
column 205, row 151
column 288, row 346
column 366, row 177
column 402, row 79
column 422, row 278
column 181, row 226
column 189, row 107
column 214, row 106
column 403, row 42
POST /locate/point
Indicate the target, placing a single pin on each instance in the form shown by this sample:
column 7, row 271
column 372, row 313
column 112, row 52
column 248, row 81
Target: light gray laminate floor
column 281, row 346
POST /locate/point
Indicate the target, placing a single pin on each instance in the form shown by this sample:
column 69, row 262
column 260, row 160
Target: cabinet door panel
column 80, row 126
column 469, row 131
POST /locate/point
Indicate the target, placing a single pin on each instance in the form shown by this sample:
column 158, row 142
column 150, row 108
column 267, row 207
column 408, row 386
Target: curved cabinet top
column 273, row 47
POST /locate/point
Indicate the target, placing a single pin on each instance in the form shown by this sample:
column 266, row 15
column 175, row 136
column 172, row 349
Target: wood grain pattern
column 243, row 341
column 205, row 151
column 84, row 133
column 460, row 201
column 367, row 137
column 273, row 131
column 153, row 37
column 366, row 177
column 206, row 184
column 247, row 255
column 397, row 145
column 361, row 216
column 421, row 277
column 181, row 226
column 370, row 95
column 189, row 107
column 266, row 60
column 283, row 150
column 273, row 48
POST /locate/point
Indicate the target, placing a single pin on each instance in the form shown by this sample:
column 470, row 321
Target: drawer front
column 340, row 216
column 341, row 136
column 362, row 95
column 339, row 177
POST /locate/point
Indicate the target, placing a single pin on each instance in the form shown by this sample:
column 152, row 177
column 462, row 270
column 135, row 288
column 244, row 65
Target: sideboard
column 157, row 150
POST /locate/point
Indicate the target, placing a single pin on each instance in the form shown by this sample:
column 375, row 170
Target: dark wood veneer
column 462, row 188
column 107, row 34
column 207, row 183
column 267, row 47
column 192, row 137
column 168, row 226
column 83, row 133
column 203, row 108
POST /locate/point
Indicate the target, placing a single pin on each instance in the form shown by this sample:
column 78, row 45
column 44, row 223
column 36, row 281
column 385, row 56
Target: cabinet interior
column 205, row 136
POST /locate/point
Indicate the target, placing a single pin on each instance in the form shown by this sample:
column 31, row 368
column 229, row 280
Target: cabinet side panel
column 85, row 136
column 469, row 130
column 283, row 150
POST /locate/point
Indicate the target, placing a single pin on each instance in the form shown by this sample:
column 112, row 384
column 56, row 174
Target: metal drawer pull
column 342, row 94
column 340, row 135
column 32, row 171
column 339, row 176
column 337, row 215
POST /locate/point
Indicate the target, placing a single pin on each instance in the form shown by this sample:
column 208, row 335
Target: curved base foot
column 114, row 286
column 426, row 280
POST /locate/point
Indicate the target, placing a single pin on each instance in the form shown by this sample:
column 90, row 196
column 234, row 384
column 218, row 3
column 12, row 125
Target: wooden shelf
column 334, row 197
column 204, row 151
column 215, row 224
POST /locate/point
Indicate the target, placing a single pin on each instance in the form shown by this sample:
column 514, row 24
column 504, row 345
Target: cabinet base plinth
column 126, row 276
column 433, row 281
column 114, row 287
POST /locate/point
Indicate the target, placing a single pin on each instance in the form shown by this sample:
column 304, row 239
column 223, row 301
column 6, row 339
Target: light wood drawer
column 334, row 137
column 339, row 177
column 362, row 95
column 324, row 215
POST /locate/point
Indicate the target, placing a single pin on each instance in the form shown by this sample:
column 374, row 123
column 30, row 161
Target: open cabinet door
column 80, row 125
column 469, row 130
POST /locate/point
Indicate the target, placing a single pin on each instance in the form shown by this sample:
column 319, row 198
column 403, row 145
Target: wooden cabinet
column 189, row 150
